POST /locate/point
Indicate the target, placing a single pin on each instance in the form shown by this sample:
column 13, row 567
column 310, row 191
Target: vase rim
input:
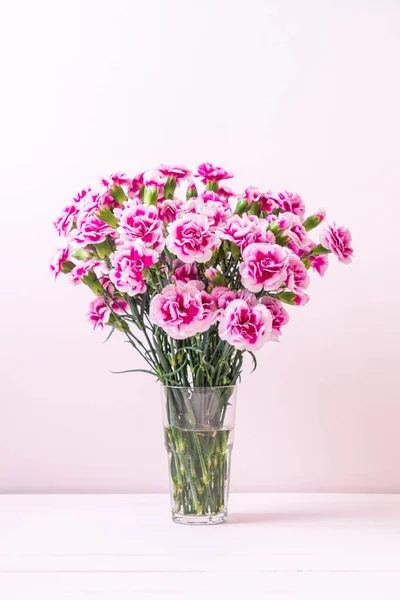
column 200, row 387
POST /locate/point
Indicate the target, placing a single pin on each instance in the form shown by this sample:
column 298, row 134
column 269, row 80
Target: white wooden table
column 273, row 546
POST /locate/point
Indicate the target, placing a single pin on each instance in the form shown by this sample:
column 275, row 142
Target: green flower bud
column 93, row 283
column 255, row 209
column 67, row 266
column 242, row 206
column 169, row 188
column 314, row 220
column 150, row 195
column 191, row 191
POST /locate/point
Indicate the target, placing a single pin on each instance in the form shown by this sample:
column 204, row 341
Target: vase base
column 199, row 519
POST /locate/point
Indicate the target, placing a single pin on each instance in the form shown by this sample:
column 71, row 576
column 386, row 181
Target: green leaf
column 134, row 371
column 253, row 356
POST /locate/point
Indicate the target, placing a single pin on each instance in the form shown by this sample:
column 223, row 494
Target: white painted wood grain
column 111, row 546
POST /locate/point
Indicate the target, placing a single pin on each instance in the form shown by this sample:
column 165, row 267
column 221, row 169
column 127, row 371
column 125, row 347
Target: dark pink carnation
column 100, row 312
column 184, row 272
column 177, row 171
column 169, row 209
column 297, row 279
column 338, row 240
column 290, row 202
column 94, row 231
column 293, row 229
column 222, row 296
column 82, row 269
column 209, row 172
column 319, row 263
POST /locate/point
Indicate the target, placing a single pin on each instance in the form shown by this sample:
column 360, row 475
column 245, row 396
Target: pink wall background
column 303, row 96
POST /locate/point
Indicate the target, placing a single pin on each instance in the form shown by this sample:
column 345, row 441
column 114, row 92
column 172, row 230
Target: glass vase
column 198, row 433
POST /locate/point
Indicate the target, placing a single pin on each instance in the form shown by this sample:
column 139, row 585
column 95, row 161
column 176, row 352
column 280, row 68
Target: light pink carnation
column 209, row 172
column 182, row 310
column 247, row 296
column 264, row 267
column 65, row 221
column 225, row 192
column 191, row 239
column 245, row 327
column 99, row 313
column 238, row 228
column 279, row 315
column 290, row 202
column 129, row 262
column 61, row 256
column 184, row 272
column 223, row 296
column 140, row 222
column 135, row 186
column 338, row 240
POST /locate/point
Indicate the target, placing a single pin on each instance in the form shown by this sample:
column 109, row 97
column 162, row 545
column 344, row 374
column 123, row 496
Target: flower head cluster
column 189, row 261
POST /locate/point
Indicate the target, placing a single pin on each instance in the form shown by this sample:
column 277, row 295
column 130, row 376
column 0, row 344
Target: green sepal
column 169, row 188
column 118, row 193
column 93, row 283
column 150, row 195
column 67, row 266
column 241, row 207
column 318, row 250
column 108, row 217
column 306, row 261
column 255, row 209
column 235, row 250
column 287, row 297
column 82, row 254
column 191, row 192
column 105, row 248
column 212, row 186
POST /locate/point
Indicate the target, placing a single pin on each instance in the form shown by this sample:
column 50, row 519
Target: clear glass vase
column 198, row 432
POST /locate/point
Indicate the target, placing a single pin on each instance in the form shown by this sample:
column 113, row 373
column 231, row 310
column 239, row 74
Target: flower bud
column 150, row 195
column 118, row 193
column 93, row 283
column 242, row 206
column 314, row 220
column 191, row 191
column 67, row 266
column 169, row 188
column 108, row 217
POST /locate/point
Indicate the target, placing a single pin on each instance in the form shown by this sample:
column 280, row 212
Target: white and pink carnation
column 245, row 327
column 100, row 312
column 279, row 315
column 140, row 222
column 289, row 202
column 169, row 209
column 182, row 310
column 184, row 272
column 297, row 279
column 238, row 228
column 60, row 257
column 191, row 238
column 128, row 264
column 264, row 267
column 216, row 212
column 208, row 172
column 179, row 172
column 64, row 223
column 293, row 229
column 223, row 296
column 154, row 178
column 338, row 241
column 82, row 269
column 92, row 230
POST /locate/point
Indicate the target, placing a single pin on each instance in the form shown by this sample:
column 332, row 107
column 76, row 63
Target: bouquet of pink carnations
column 193, row 274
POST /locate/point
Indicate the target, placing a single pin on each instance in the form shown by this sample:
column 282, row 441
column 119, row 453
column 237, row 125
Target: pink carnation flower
column 245, row 327
column 92, row 230
column 140, row 222
column 169, row 209
column 223, row 296
column 319, row 263
column 290, row 202
column 279, row 315
column 182, row 310
column 225, row 192
column 266, row 201
column 238, row 228
column 209, row 172
column 135, row 186
column 264, row 267
column 99, row 312
column 61, row 256
column 177, row 171
column 184, row 272
column 82, row 269
column 117, row 179
column 293, row 229
column 154, row 178
column 129, row 262
column 191, row 239
column 247, row 296
column 64, row 223
column 216, row 212
column 338, row 240
column 297, row 279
